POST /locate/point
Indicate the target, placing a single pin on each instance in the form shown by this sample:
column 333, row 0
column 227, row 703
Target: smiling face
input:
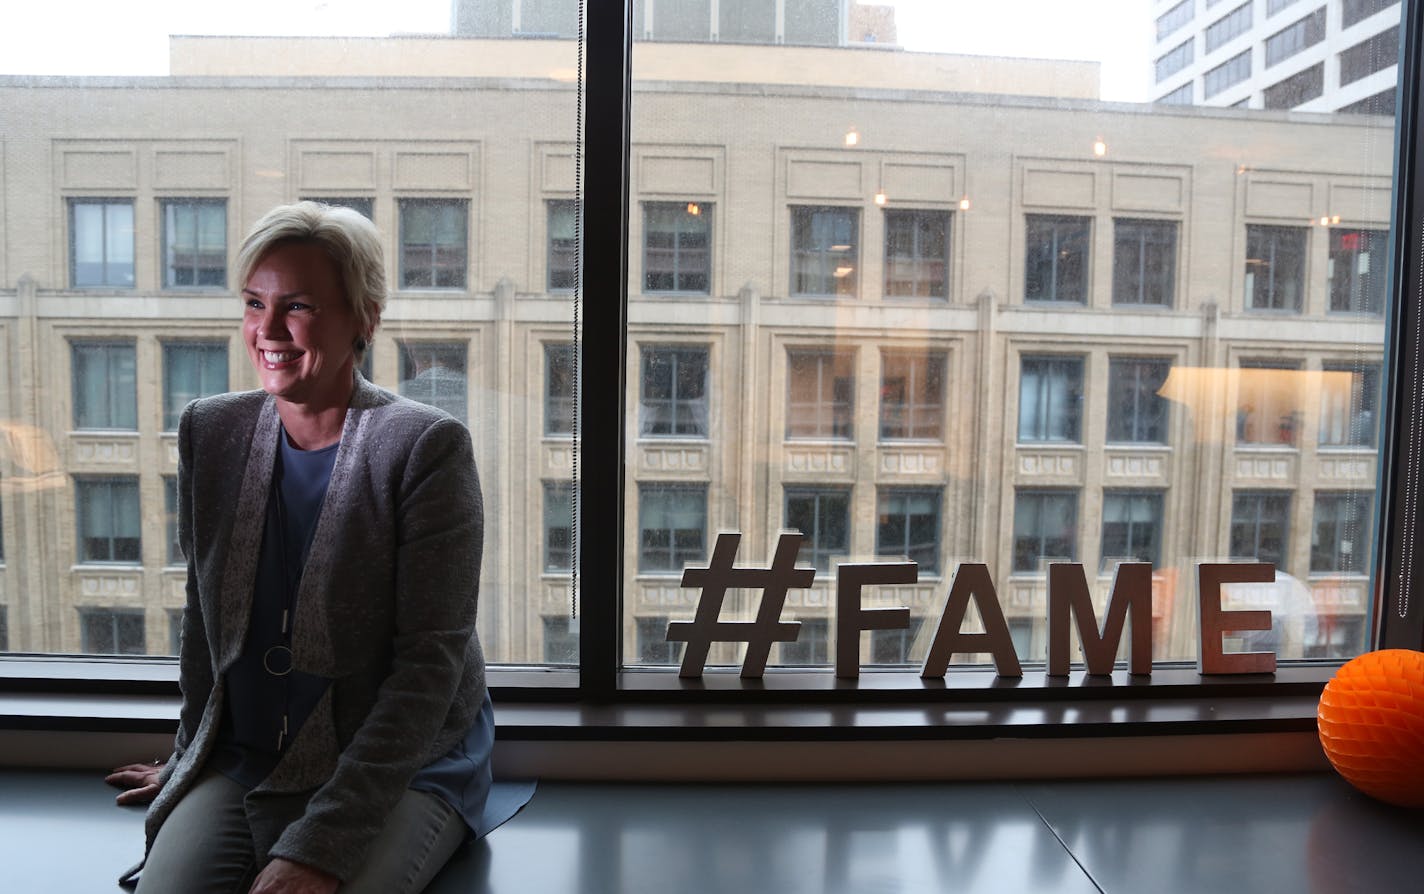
column 299, row 330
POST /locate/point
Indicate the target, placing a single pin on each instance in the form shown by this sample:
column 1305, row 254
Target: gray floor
column 59, row 832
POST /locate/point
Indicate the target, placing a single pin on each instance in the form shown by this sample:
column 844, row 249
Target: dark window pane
column 825, row 249
column 434, row 374
column 1275, row 267
column 672, row 524
column 1056, row 260
column 823, row 516
column 434, row 243
column 673, row 402
column 191, row 370
column 1051, row 399
column 194, row 243
column 1136, row 412
column 1045, row 529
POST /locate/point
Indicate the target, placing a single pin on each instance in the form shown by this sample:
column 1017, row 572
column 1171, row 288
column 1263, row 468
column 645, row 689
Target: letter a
column 972, row 580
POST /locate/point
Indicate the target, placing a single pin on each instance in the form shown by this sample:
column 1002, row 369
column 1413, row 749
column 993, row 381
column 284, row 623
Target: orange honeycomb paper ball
column 1371, row 721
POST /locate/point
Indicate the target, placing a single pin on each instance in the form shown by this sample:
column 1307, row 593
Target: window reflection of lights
column 852, row 137
column 840, row 248
column 843, row 272
column 880, row 198
column 964, row 204
column 694, row 209
column 1100, row 148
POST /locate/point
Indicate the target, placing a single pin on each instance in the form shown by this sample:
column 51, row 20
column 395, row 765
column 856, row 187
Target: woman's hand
column 286, row 877
column 139, row 781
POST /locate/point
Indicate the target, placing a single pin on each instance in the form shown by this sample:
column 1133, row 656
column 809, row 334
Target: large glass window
column 1228, row 74
column 820, row 400
column 1260, row 527
column 1045, row 528
column 105, row 385
column 1144, row 262
column 677, row 242
column 1137, row 412
column 1233, row 24
column 1275, row 267
column 1175, row 60
column 107, row 514
column 1299, row 88
column 1352, row 11
column 1339, row 542
column 911, row 395
column 908, row 526
column 672, row 525
column 1132, row 528
column 1175, row 18
column 434, row 244
column 191, row 370
column 1056, row 260
column 674, row 392
column 101, row 243
column 434, row 373
column 1051, row 399
column 1369, row 56
column 917, row 254
column 1297, row 36
column 1358, row 270
column 825, row 246
column 822, row 515
column 112, row 631
column 194, row 243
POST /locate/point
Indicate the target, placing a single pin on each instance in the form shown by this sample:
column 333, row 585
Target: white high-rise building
column 1311, row 55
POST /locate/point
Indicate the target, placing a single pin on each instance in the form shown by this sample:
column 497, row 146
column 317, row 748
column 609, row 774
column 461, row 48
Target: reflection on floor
column 59, row 832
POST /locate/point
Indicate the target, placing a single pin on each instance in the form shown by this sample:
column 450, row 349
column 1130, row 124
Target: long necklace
column 277, row 660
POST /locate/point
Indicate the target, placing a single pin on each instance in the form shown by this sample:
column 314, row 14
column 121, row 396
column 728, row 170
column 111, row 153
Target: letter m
column 1068, row 594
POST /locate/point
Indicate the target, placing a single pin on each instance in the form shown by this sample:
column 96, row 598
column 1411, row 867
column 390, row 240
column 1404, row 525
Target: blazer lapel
column 249, row 520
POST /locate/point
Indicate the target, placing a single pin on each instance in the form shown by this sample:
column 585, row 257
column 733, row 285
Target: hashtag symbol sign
column 719, row 576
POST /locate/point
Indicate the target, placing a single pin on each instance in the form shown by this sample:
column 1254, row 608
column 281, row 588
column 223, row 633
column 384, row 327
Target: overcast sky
column 128, row 37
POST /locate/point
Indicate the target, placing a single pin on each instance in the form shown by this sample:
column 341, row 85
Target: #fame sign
column 1069, row 601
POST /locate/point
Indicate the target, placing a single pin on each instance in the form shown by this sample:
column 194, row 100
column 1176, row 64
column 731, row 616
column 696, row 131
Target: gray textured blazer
column 385, row 609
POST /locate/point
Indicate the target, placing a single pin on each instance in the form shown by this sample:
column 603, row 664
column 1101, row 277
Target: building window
column 1137, row 413
column 1056, row 259
column 548, row 18
column 194, row 243
column 108, row 519
column 1382, row 103
column 559, row 395
column 812, row 645
column 908, row 525
column 1352, row 11
column 747, row 21
column 105, row 386
column 1233, row 24
column 822, row 514
column 917, row 254
column 673, row 402
column 561, row 640
column 101, row 243
column 1144, row 262
column 362, row 205
column 563, row 246
column 1175, row 60
column 191, row 370
column 1228, row 74
column 1260, row 523
column 679, row 21
column 672, row 525
column 911, row 395
column 1132, row 528
column 813, row 23
column 558, row 527
column 1050, row 399
column 1358, row 266
column 677, row 247
column 1045, row 528
column 111, row 631
column 4, row 628
column 434, row 374
column 174, row 553
column 1275, row 267
column 1275, row 6
column 1268, row 404
column 653, row 645
column 825, row 248
column 1369, row 56
column 1297, row 36
column 894, row 646
column 1340, row 540
column 175, row 631
column 820, row 399
column 1349, row 405
column 1175, row 18
column 1182, row 96
column 1299, row 88
column 434, row 243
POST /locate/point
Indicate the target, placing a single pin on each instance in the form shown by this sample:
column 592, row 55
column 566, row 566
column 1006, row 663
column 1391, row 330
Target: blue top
column 263, row 711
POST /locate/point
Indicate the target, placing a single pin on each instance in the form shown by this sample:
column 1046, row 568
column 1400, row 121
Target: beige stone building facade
column 954, row 324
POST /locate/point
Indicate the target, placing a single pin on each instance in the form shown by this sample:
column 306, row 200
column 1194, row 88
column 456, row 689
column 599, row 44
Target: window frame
column 584, row 693
column 166, row 239
column 403, row 270
column 917, row 260
column 705, row 215
column 674, row 357
column 1057, row 280
column 105, row 203
column 803, row 222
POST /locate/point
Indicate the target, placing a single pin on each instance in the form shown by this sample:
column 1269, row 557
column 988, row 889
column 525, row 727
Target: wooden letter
column 1068, row 595
column 851, row 619
column 1215, row 622
column 972, row 580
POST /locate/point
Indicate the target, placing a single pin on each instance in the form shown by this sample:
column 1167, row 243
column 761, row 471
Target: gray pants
column 204, row 847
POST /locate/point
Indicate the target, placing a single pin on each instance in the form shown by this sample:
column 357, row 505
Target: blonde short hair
column 351, row 241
